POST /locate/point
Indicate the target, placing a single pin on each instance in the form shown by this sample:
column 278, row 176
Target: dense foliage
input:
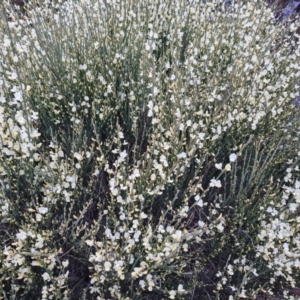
column 149, row 150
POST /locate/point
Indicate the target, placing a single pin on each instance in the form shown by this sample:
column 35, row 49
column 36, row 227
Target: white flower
column 142, row 283
column 293, row 207
column 220, row 227
column 242, row 294
column 6, row 42
column 18, row 96
column 182, row 155
column 89, row 242
column 201, row 224
column 65, row 263
column 143, row 216
column 150, row 104
column 78, row 156
column 83, row 67
column 38, row 217
column 35, row 263
column 161, row 229
column 40, row 242
column 19, row 118
column 155, row 92
column 201, row 135
column 219, row 166
column 46, row 276
column 43, row 210
column 172, row 294
column 215, row 183
column 136, row 173
column 228, row 167
column 13, row 76
column 107, row 266
column 199, row 201
column 93, row 280
column 123, row 154
column 232, row 157
column 21, row 235
column 177, row 236
column 181, row 289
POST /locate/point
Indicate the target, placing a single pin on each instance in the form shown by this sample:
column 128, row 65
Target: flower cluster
column 149, row 149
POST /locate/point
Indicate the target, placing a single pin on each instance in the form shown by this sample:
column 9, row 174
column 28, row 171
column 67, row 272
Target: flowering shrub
column 149, row 150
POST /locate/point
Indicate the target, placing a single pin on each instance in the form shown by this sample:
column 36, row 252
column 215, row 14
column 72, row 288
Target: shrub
column 150, row 150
